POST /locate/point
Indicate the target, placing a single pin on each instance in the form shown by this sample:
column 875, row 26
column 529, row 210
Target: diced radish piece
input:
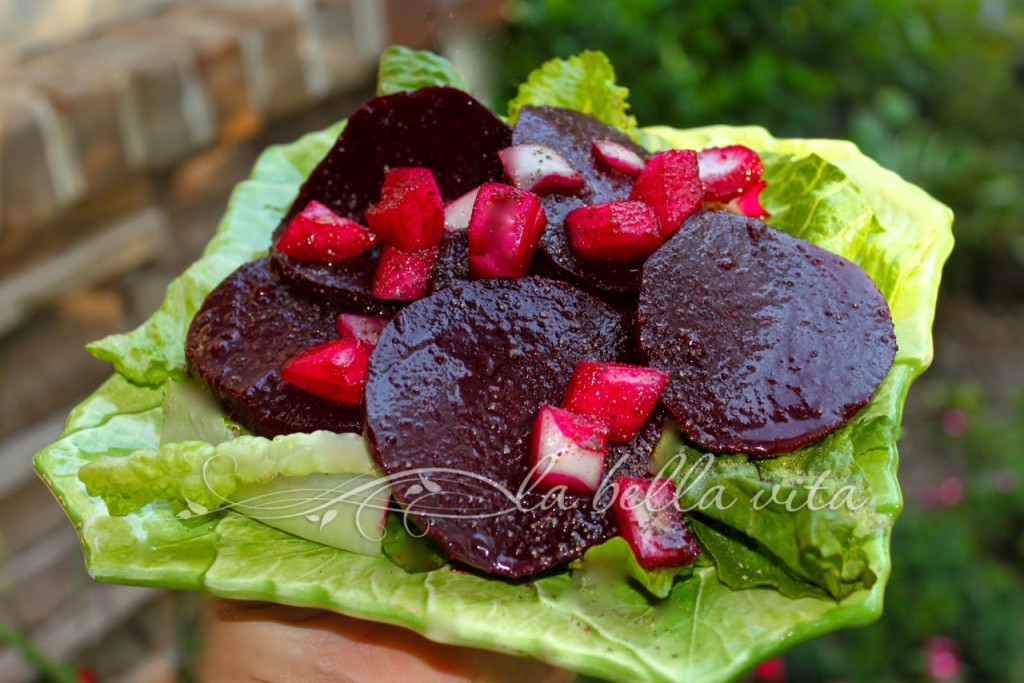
column 620, row 395
column 728, row 171
column 504, row 231
column 568, row 450
column 403, row 276
column 334, row 370
column 364, row 328
column 618, row 157
column 410, row 213
column 648, row 515
column 540, row 169
column 319, row 235
column 458, row 211
column 619, row 230
column 749, row 202
column 670, row 182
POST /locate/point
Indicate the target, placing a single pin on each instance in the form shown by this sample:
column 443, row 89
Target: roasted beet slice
column 443, row 129
column 452, row 265
column 348, row 283
column 455, row 385
column 572, row 135
column 771, row 342
column 246, row 330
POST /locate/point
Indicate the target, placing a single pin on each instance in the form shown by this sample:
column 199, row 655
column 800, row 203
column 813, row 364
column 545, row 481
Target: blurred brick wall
column 117, row 152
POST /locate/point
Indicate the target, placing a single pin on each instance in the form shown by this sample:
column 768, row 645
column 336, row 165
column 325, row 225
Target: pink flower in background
column 954, row 422
column 942, row 661
column 949, row 492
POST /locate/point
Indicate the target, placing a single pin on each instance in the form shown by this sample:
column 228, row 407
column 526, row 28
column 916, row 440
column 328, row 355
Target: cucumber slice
column 345, row 511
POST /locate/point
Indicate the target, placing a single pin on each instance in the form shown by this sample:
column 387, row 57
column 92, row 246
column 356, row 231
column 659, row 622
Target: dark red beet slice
column 452, row 265
column 443, row 129
column 571, row 134
column 771, row 341
column 454, row 386
column 245, row 331
column 348, row 283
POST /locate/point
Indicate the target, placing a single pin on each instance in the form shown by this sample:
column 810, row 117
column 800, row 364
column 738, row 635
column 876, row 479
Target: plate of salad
column 171, row 487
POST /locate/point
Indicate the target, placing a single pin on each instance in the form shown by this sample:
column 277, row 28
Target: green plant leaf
column 614, row 561
column 193, row 473
column 584, row 82
column 402, row 69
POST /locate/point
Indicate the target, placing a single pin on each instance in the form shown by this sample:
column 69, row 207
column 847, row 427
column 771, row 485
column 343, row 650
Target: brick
column 87, row 106
column 215, row 51
column 44, row 366
column 413, row 23
column 116, row 249
column 27, row 195
column 340, row 43
column 270, row 37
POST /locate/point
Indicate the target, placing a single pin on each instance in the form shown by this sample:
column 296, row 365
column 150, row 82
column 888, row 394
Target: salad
column 802, row 549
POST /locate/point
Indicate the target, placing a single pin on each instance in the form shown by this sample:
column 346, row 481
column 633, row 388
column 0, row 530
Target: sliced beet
column 771, row 342
column 348, row 283
column 571, row 134
column 443, row 129
column 455, row 384
column 246, row 330
column 452, row 265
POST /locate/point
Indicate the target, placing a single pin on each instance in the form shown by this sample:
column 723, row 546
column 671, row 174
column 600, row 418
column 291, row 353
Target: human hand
column 261, row 641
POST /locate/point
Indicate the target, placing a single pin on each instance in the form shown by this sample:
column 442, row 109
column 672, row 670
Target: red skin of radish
column 567, row 450
column 504, row 230
column 618, row 157
column 410, row 213
column 648, row 516
column 402, row 276
column 618, row 394
column 318, row 235
column 540, row 169
column 670, row 183
column 728, row 172
column 334, row 370
column 749, row 203
column 364, row 328
column 619, row 230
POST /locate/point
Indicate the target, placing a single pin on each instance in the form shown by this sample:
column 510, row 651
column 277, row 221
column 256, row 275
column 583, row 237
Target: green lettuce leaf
column 192, row 414
column 614, row 561
column 409, row 548
column 584, row 82
column 810, row 512
column 204, row 476
column 704, row 630
column 403, row 69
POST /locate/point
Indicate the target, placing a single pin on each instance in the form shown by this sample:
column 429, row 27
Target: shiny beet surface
column 571, row 134
column 771, row 341
column 455, row 384
column 443, row 129
column 245, row 331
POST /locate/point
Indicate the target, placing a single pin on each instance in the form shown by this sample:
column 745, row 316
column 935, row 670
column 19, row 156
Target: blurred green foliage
column 958, row 559
column 932, row 90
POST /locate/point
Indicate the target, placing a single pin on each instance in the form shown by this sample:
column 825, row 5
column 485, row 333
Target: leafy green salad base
column 713, row 625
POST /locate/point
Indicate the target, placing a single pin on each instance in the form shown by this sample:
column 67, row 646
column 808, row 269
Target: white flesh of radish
column 458, row 211
column 560, row 459
column 536, row 167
